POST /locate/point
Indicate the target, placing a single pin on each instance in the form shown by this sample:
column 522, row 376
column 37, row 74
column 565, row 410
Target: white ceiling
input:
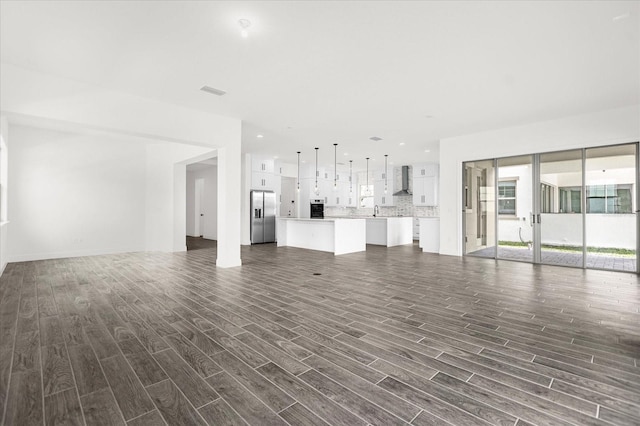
column 316, row 73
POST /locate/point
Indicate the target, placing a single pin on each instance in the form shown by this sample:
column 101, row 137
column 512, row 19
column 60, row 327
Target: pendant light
column 385, row 173
column 350, row 176
column 316, row 188
column 367, row 175
column 298, row 171
column 335, row 166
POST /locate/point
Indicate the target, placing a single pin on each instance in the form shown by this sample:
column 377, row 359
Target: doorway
column 198, row 219
column 571, row 208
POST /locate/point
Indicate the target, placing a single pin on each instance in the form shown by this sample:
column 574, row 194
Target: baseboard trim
column 64, row 254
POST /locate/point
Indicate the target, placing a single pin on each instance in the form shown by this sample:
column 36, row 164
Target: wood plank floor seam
column 521, row 343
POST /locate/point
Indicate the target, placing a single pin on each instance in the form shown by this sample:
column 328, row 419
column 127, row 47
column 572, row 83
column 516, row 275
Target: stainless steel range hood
column 405, row 182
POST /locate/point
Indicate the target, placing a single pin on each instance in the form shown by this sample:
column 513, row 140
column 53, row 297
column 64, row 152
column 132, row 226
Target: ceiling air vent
column 213, row 90
column 375, row 138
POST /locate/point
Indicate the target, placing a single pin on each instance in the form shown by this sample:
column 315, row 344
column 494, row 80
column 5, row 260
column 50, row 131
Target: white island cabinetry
column 335, row 235
column 389, row 231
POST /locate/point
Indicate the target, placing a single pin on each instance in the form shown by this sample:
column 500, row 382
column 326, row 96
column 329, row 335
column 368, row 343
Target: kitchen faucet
column 376, row 210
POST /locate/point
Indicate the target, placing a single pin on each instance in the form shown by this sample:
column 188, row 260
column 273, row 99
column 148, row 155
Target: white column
column 229, row 210
column 4, row 162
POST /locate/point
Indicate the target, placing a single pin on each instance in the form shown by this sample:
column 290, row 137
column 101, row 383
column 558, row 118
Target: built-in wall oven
column 317, row 209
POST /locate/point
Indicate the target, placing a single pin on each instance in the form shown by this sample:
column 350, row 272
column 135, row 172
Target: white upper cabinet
column 427, row 169
column 264, row 174
column 380, row 197
column 380, row 174
column 425, row 184
column 262, row 165
column 266, row 181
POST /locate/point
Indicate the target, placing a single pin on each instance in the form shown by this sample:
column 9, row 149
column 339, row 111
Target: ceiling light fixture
column 427, row 150
column 298, row 171
column 213, row 90
column 260, row 136
column 244, row 25
column 367, row 176
column 350, row 176
column 375, row 138
column 621, row 17
column 385, row 172
column 316, row 188
column 401, row 143
column 335, row 166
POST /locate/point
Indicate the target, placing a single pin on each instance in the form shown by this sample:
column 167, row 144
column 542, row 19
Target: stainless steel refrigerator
column 263, row 217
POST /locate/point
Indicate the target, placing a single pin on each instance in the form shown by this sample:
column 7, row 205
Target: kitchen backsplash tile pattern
column 404, row 207
column 404, row 203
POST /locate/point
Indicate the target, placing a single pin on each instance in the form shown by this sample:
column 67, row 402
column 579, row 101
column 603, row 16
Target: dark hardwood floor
column 387, row 336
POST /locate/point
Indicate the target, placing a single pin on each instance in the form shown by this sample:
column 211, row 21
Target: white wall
column 40, row 100
column 74, row 195
column 602, row 128
column 166, row 195
column 209, row 202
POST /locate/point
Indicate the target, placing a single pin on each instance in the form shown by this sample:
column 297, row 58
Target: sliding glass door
column 515, row 207
column 479, row 208
column 611, row 205
column 571, row 208
column 560, row 208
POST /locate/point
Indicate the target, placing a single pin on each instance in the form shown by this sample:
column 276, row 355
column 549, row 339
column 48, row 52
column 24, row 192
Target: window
column 546, row 198
column 609, row 199
column 570, row 200
column 507, row 197
column 366, row 196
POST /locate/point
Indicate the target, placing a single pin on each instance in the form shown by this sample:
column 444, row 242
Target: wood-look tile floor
column 387, row 336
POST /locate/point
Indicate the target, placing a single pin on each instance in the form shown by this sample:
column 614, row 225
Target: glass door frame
column 536, row 206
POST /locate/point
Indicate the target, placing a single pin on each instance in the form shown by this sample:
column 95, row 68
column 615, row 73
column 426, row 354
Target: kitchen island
column 389, row 231
column 335, row 235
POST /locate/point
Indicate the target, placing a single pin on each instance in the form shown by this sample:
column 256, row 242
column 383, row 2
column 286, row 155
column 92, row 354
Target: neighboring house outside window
column 608, row 199
column 507, row 197
column 570, row 199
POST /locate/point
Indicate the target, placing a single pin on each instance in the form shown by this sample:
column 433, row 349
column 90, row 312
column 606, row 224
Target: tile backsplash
column 404, row 207
column 404, row 203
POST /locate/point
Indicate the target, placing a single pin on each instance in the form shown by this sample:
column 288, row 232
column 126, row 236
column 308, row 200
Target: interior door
column 199, row 219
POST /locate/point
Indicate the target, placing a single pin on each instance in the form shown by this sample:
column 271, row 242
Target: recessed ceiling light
column 213, row 90
column 244, row 25
column 345, row 154
column 621, row 17
column 427, row 150
column 401, row 143
column 428, row 116
column 375, row 138
column 304, row 161
column 260, row 136
column 275, row 157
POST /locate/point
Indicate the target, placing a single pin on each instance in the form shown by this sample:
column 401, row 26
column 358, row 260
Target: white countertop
column 326, row 219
